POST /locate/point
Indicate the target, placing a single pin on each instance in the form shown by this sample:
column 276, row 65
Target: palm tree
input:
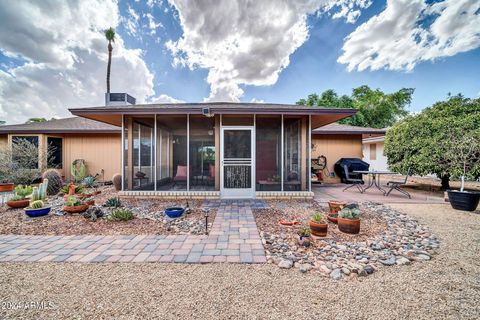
column 34, row 120
column 110, row 35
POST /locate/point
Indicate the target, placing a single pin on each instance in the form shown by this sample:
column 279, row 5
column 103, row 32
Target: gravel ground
column 448, row 287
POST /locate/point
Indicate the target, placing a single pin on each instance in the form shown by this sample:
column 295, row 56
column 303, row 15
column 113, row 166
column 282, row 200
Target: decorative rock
column 336, row 274
column 403, row 261
column 369, row 269
column 388, row 262
column 285, row 264
column 346, row 271
column 422, row 257
column 305, row 267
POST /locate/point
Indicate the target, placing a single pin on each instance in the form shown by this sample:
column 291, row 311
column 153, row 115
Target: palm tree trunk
column 109, row 65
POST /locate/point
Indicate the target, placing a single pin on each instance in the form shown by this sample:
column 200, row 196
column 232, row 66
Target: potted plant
column 72, row 190
column 304, row 236
column 334, row 206
column 6, row 187
column 19, row 200
column 90, row 182
column 349, row 219
column 317, row 226
column 463, row 155
column 90, row 201
column 37, row 208
column 74, row 205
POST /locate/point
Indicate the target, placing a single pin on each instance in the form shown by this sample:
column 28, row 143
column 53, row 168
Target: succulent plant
column 23, row 191
column 350, row 213
column 54, row 181
column 90, row 182
column 78, row 189
column 72, row 202
column 121, row 214
column 113, row 203
column 304, row 232
column 78, row 170
column 37, row 204
column 117, row 181
column 317, row 217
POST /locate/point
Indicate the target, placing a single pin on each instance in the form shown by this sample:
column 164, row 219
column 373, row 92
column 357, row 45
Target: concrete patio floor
column 325, row 192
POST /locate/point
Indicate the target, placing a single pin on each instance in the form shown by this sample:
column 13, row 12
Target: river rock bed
column 387, row 238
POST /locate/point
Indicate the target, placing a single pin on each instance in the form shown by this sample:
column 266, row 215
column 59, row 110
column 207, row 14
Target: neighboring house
column 99, row 144
column 335, row 141
column 373, row 152
column 227, row 150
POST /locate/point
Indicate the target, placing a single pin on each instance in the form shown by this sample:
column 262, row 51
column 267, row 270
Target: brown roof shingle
column 66, row 125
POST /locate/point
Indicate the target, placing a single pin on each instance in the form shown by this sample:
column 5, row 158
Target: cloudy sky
column 53, row 52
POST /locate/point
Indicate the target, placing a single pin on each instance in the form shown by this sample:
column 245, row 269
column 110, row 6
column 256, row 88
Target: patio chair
column 397, row 185
column 354, row 182
column 181, row 176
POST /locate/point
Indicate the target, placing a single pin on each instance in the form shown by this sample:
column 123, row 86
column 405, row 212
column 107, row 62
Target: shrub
column 37, row 204
column 317, row 217
column 113, row 203
column 121, row 214
column 23, row 191
column 54, row 181
column 117, row 181
column 350, row 213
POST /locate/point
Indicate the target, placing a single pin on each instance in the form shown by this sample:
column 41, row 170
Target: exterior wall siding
column 334, row 147
column 100, row 151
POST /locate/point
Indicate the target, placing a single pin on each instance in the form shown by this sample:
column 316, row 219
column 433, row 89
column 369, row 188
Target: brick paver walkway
column 234, row 238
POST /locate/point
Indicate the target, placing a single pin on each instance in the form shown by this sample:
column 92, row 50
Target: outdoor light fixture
column 206, row 112
column 205, row 213
column 210, row 132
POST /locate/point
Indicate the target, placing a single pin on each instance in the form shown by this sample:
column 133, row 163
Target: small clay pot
column 336, row 206
column 76, row 209
column 332, row 217
column 6, row 187
column 90, row 203
column 303, row 241
column 318, row 229
column 18, row 203
column 348, row 225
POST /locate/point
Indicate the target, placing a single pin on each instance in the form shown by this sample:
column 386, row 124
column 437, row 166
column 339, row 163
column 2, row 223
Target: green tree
column 376, row 109
column 34, row 120
column 110, row 35
column 443, row 139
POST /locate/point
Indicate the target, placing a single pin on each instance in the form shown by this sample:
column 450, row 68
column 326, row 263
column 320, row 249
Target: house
column 373, row 152
column 335, row 141
column 73, row 138
column 226, row 150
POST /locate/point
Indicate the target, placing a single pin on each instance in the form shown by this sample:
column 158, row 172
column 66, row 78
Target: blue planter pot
column 37, row 212
column 174, row 212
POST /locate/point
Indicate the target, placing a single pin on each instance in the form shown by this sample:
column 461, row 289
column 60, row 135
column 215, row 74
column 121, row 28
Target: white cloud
column 163, row 98
column 131, row 22
column 246, row 42
column 152, row 25
column 410, row 31
column 66, row 55
column 255, row 100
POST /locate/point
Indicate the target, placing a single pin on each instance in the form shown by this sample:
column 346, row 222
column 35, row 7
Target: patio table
column 375, row 181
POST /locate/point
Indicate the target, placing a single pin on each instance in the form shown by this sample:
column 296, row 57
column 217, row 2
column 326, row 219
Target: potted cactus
column 19, row 200
column 349, row 219
column 318, row 227
column 37, row 208
column 304, row 236
column 74, row 205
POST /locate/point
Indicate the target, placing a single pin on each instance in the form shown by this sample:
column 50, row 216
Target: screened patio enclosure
column 222, row 150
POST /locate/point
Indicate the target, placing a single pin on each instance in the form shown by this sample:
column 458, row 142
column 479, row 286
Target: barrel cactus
column 37, row 204
column 117, row 181
column 54, row 181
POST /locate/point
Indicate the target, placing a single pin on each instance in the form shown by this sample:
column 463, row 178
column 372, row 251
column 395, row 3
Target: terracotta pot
column 336, row 206
column 90, row 203
column 18, row 203
column 6, row 187
column 96, row 192
column 318, row 229
column 349, row 226
column 76, row 209
column 332, row 217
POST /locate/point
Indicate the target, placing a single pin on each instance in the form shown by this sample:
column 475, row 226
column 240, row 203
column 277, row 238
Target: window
column 25, row 151
column 373, row 151
column 55, row 152
column 268, row 164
